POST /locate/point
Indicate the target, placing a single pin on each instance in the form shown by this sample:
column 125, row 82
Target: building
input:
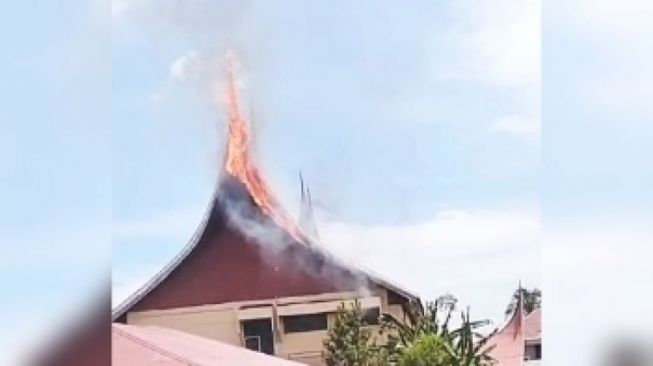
column 519, row 341
column 250, row 276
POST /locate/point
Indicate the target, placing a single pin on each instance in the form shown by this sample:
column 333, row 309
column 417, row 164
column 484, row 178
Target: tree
column 532, row 299
column 426, row 350
column 350, row 342
column 426, row 339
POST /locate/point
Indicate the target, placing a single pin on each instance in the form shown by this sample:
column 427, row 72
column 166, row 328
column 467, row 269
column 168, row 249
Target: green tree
column 426, row 350
column 350, row 342
column 532, row 300
column 427, row 336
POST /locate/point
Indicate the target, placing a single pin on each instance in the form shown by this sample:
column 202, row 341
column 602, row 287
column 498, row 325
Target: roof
column 143, row 346
column 508, row 342
column 239, row 168
column 533, row 325
column 316, row 247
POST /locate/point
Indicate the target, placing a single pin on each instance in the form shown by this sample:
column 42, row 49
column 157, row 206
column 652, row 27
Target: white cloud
column 492, row 41
column 518, row 125
column 186, row 66
column 477, row 255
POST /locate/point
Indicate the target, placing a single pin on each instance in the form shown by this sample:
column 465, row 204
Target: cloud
column 518, row 125
column 494, row 42
column 478, row 255
column 185, row 66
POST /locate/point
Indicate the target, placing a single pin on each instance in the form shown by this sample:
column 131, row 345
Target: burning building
column 250, row 275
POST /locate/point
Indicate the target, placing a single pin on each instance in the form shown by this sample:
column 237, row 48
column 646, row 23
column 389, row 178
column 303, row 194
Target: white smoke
column 275, row 242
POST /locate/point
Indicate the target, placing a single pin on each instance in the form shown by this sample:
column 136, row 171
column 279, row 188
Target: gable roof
column 242, row 182
column 199, row 236
column 508, row 342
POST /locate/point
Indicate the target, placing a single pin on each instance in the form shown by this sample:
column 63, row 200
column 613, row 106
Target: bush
column 427, row 350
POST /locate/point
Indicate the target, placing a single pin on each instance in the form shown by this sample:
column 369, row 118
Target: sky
column 418, row 129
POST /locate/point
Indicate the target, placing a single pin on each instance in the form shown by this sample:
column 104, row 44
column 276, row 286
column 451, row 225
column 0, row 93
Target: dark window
column 533, row 352
column 258, row 335
column 304, row 323
column 371, row 316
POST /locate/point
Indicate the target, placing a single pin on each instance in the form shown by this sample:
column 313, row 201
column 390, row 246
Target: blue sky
column 418, row 129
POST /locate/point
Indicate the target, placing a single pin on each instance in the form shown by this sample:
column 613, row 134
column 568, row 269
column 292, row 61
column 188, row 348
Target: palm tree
column 532, row 299
column 463, row 346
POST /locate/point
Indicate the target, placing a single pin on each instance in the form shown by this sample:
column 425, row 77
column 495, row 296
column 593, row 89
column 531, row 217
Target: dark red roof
column 246, row 248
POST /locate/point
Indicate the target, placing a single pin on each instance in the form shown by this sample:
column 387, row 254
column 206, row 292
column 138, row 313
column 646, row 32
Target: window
column 371, row 316
column 304, row 323
column 257, row 334
column 533, row 352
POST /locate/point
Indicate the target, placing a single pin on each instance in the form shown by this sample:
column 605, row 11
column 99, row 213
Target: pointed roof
column 246, row 247
column 508, row 342
column 533, row 326
column 306, row 216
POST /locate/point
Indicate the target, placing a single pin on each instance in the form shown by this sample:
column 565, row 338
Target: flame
column 239, row 164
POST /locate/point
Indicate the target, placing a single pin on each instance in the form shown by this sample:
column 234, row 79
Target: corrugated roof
column 144, row 346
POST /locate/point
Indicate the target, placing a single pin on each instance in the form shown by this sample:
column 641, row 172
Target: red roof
column 509, row 342
column 246, row 248
column 143, row 346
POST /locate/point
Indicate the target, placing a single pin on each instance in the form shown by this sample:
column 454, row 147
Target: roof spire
column 306, row 216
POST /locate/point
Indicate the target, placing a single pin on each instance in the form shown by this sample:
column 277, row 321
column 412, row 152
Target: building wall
column 222, row 322
column 218, row 324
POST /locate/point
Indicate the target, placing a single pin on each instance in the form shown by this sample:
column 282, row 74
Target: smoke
column 275, row 243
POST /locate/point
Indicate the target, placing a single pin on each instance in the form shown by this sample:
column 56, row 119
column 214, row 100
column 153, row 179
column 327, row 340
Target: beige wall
column 222, row 321
column 219, row 324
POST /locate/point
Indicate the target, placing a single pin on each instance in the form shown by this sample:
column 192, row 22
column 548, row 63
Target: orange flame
column 239, row 164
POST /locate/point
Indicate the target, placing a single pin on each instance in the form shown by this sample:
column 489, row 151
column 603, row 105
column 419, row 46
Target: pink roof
column 533, row 325
column 139, row 346
column 509, row 341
